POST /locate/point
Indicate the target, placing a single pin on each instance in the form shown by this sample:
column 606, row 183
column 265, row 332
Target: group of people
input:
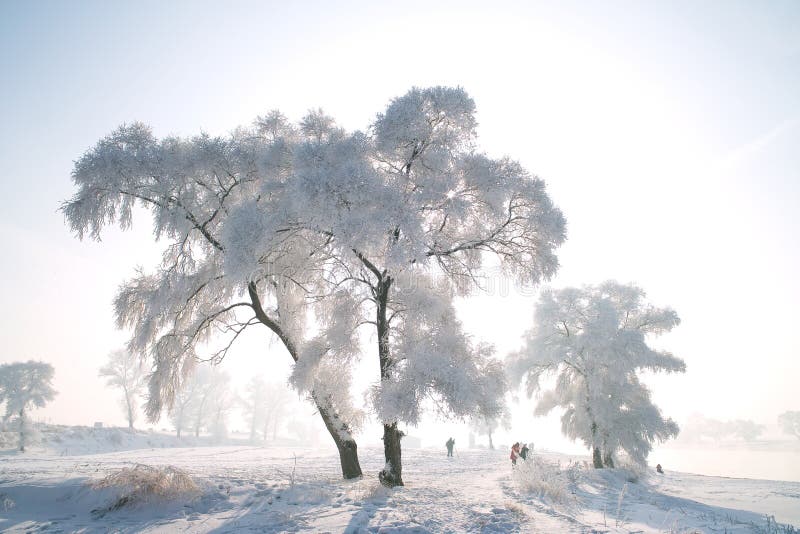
column 517, row 452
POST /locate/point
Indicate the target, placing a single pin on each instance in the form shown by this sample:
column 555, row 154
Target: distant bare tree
column 127, row 372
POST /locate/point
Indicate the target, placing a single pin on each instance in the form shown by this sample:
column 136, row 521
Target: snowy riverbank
column 278, row 489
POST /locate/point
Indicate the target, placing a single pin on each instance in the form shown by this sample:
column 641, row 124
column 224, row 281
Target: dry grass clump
column 545, row 479
column 142, row 484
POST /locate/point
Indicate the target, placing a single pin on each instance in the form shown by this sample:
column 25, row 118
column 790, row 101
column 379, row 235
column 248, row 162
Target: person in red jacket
column 514, row 453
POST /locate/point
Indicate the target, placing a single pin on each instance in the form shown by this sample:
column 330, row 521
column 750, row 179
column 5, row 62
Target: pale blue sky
column 669, row 133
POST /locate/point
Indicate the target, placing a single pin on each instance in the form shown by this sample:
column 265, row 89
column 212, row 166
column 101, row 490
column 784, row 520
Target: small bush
column 144, row 484
column 115, row 437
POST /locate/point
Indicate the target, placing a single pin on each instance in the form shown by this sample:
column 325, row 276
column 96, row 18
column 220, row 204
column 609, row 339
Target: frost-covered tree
column 265, row 405
column 698, row 427
column 282, row 222
column 486, row 426
column 209, row 381
column 746, row 429
column 411, row 211
column 277, row 406
column 790, row 423
column 202, row 402
column 593, row 340
column 221, row 402
column 126, row 371
column 183, row 405
column 25, row 385
column 191, row 186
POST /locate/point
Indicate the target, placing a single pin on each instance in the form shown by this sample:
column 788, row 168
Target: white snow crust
column 292, row 489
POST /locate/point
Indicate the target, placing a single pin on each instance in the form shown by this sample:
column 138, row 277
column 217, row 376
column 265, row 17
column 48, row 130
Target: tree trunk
column 253, row 422
column 597, row 458
column 22, row 430
column 348, row 450
column 608, row 459
column 129, row 402
column 392, row 473
column 491, row 445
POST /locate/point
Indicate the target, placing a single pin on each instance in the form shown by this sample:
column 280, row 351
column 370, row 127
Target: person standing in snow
column 524, row 452
column 449, row 444
column 514, row 453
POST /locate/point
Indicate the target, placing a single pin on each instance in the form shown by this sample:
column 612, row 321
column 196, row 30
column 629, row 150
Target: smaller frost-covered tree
column 127, row 372
column 790, row 423
column 25, row 385
column 593, row 340
column 202, row 402
column 699, row 427
column 487, row 426
column 276, row 409
column 746, row 429
column 186, row 397
column 209, row 382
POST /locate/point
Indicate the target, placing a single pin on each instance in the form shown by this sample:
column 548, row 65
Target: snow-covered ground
column 284, row 489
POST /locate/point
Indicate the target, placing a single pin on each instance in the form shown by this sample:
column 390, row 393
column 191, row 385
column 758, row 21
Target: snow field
column 282, row 489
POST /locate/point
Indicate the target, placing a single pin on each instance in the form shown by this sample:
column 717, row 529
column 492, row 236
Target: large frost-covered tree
column 594, row 341
column 126, row 371
column 283, row 222
column 410, row 212
column 25, row 385
column 191, row 186
column 790, row 423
